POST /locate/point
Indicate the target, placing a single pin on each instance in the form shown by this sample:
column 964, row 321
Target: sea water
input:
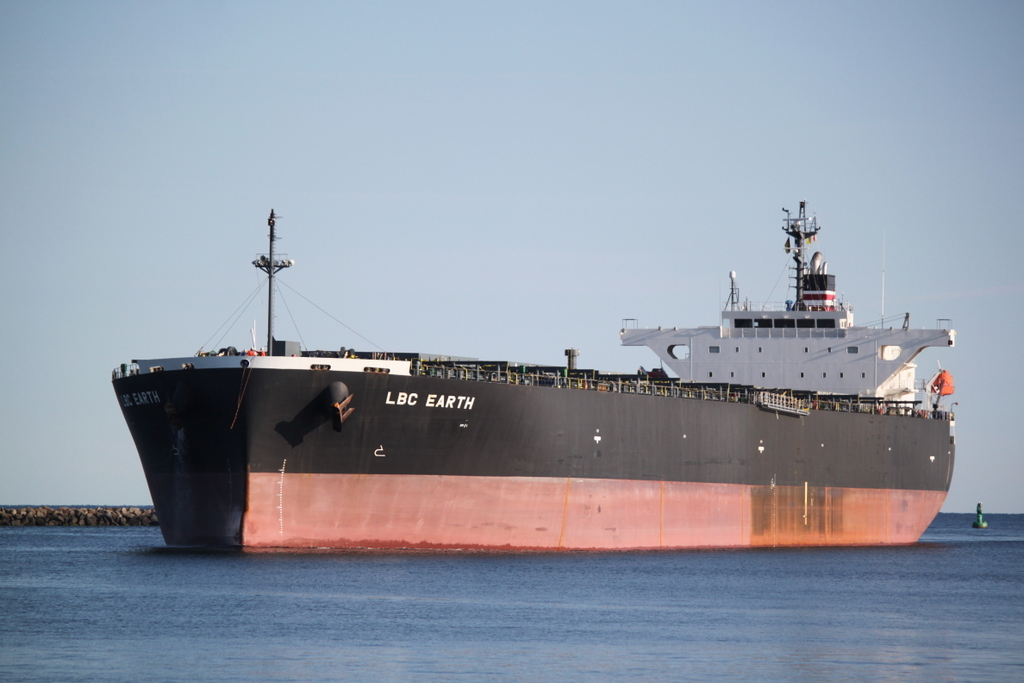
column 113, row 604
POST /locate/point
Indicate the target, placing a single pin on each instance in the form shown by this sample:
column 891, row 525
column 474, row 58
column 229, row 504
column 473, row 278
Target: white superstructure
column 809, row 344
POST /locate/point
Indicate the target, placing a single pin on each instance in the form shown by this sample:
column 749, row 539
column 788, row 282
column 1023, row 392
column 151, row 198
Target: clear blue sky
column 492, row 180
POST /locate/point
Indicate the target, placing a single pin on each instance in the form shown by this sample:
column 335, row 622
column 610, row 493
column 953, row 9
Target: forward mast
column 269, row 265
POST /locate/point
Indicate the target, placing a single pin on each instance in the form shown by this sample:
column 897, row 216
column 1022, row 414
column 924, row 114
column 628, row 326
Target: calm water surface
column 113, row 604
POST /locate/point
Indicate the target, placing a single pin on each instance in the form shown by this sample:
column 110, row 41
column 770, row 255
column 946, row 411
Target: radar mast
column 802, row 230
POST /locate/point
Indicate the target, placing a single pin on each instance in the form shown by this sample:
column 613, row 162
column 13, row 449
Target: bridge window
column 826, row 322
column 742, row 322
column 805, row 322
column 785, row 322
column 763, row 322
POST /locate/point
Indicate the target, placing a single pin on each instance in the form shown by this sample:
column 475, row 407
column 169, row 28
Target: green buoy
column 980, row 523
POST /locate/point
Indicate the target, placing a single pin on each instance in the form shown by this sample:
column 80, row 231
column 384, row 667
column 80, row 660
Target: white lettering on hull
column 139, row 398
column 402, row 398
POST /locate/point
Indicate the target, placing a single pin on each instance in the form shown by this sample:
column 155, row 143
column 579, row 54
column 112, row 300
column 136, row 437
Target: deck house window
column 853, row 349
column 714, row 349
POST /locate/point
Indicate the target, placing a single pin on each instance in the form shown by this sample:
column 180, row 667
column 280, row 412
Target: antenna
column 270, row 266
column 883, row 277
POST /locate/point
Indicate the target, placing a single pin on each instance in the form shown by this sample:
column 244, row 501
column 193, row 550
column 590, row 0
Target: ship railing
column 771, row 306
column 124, row 370
column 669, row 388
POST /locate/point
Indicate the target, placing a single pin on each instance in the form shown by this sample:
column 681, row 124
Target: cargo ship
column 783, row 425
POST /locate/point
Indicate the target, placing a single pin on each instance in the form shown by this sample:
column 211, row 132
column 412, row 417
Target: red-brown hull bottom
column 521, row 513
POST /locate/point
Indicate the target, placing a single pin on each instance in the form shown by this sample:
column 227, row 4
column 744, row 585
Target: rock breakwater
column 87, row 516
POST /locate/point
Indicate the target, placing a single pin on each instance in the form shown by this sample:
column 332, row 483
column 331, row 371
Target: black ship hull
column 260, row 457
